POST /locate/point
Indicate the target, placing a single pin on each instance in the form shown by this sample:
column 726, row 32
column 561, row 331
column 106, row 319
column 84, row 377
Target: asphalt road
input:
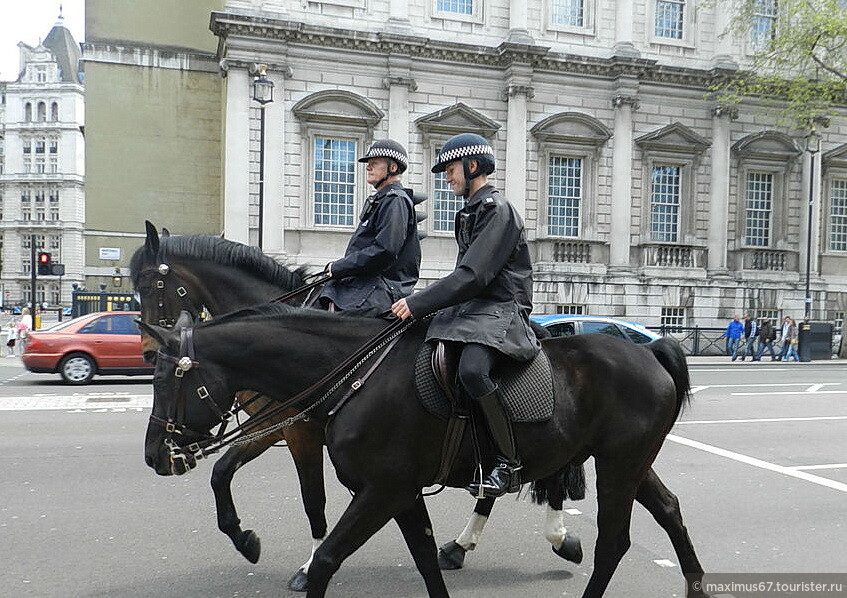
column 758, row 462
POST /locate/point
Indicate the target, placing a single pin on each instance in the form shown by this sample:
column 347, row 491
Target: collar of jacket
column 481, row 193
column 385, row 189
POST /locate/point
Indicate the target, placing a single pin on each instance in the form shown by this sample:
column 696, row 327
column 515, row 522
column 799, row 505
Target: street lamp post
column 813, row 146
column 263, row 93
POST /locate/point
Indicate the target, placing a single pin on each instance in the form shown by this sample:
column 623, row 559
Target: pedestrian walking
column 750, row 334
column 783, row 338
column 792, row 341
column 733, row 335
column 766, row 338
column 11, row 338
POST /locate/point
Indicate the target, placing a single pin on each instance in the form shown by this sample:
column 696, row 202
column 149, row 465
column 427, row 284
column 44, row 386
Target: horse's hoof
column 299, row 582
column 451, row 556
column 250, row 546
column 571, row 548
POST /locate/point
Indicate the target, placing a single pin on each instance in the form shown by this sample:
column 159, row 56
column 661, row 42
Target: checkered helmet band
column 387, row 148
column 464, row 145
column 460, row 152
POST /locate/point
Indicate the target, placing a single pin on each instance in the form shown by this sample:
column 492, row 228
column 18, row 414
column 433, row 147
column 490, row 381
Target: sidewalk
column 765, row 361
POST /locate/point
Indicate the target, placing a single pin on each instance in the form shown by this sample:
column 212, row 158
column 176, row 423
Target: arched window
column 54, row 111
column 28, row 112
column 42, row 112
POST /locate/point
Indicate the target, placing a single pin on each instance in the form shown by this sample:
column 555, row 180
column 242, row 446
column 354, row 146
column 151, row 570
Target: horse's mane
column 225, row 253
column 277, row 310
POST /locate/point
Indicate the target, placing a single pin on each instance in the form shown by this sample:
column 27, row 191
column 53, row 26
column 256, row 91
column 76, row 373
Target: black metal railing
column 704, row 341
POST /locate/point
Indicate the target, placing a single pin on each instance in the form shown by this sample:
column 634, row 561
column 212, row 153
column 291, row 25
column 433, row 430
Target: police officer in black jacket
column 383, row 258
column 486, row 301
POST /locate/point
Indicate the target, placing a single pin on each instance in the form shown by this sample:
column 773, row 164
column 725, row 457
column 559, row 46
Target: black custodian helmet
column 388, row 148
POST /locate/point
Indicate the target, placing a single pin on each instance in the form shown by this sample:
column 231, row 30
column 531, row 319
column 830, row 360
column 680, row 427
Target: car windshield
column 118, row 324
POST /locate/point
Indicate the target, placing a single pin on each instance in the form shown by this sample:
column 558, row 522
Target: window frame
column 665, row 315
column 686, row 223
column 476, row 16
column 689, row 28
column 779, row 203
column 316, row 130
column 433, row 143
column 827, row 222
column 587, row 28
column 589, row 188
column 682, row 179
column 550, row 154
column 753, row 43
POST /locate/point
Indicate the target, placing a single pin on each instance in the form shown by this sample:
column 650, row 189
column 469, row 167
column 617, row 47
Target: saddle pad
column 526, row 390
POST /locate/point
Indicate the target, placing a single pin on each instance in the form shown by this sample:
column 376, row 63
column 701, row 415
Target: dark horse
column 615, row 401
column 203, row 271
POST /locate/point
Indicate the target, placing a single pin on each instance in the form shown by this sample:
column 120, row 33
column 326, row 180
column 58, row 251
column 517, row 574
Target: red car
column 98, row 343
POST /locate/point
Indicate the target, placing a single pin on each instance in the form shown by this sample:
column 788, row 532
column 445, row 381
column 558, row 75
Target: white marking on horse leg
column 469, row 537
column 554, row 527
column 315, row 543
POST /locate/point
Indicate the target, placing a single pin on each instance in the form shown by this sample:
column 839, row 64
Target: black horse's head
column 188, row 400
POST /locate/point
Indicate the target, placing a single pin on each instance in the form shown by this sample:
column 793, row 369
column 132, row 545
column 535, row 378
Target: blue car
column 569, row 325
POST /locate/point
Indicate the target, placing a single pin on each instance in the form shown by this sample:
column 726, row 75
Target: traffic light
column 45, row 264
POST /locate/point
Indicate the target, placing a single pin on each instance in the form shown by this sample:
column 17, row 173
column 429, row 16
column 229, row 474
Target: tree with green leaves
column 799, row 60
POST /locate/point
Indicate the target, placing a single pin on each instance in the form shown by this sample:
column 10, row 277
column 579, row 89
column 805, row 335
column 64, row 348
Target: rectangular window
column 757, row 218
column 838, row 215
column 564, row 196
column 39, row 146
column 763, row 27
column 445, row 205
column 334, row 181
column 571, row 309
column 457, row 7
column 669, row 18
column 771, row 314
column 664, row 203
column 568, row 12
column 838, row 321
column 673, row 319
column 54, row 147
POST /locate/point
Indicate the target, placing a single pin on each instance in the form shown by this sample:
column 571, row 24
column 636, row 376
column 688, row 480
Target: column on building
column 273, row 225
column 719, row 199
column 518, row 29
column 723, row 15
column 236, row 161
column 619, row 237
column 399, row 82
column 624, row 37
column 811, row 186
column 518, row 91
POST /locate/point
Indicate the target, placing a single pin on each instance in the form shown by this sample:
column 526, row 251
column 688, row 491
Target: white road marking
column 665, row 563
column 573, row 511
column 827, row 466
column 770, row 385
column 761, row 420
column 77, row 402
column 788, row 392
column 808, row 477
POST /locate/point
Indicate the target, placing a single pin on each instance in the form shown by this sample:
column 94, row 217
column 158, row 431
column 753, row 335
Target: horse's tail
column 670, row 355
column 567, row 483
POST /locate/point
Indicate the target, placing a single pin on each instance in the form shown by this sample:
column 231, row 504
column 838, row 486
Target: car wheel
column 77, row 368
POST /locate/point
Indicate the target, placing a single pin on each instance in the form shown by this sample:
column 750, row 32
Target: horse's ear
column 152, row 242
column 165, row 232
column 163, row 336
column 185, row 320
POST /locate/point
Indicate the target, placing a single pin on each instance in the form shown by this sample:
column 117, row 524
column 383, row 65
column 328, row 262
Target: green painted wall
column 174, row 23
column 153, row 149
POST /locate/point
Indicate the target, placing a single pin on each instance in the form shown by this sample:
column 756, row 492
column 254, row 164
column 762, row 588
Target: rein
column 209, row 444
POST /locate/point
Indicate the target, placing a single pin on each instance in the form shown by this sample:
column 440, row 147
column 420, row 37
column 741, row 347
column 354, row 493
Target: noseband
column 174, row 423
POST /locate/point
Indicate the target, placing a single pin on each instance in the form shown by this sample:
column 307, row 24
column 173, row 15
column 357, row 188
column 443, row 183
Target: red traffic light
column 43, row 258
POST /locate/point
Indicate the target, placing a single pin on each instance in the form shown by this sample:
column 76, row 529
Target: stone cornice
column 540, row 58
column 148, row 56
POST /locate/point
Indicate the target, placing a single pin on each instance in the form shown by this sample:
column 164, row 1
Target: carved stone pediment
column 572, row 127
column 458, row 118
column 767, row 145
column 836, row 157
column 338, row 106
column 675, row 137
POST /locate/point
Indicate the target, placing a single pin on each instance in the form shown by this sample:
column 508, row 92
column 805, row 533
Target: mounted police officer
column 382, row 260
column 486, row 301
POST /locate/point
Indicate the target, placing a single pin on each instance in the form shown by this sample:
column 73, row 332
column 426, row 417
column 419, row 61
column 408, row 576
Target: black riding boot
column 506, row 475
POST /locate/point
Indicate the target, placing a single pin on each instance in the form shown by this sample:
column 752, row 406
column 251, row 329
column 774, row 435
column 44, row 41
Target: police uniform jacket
column 382, row 261
column 487, row 299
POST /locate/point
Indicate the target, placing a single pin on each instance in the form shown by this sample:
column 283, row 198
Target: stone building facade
column 42, row 169
column 642, row 197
